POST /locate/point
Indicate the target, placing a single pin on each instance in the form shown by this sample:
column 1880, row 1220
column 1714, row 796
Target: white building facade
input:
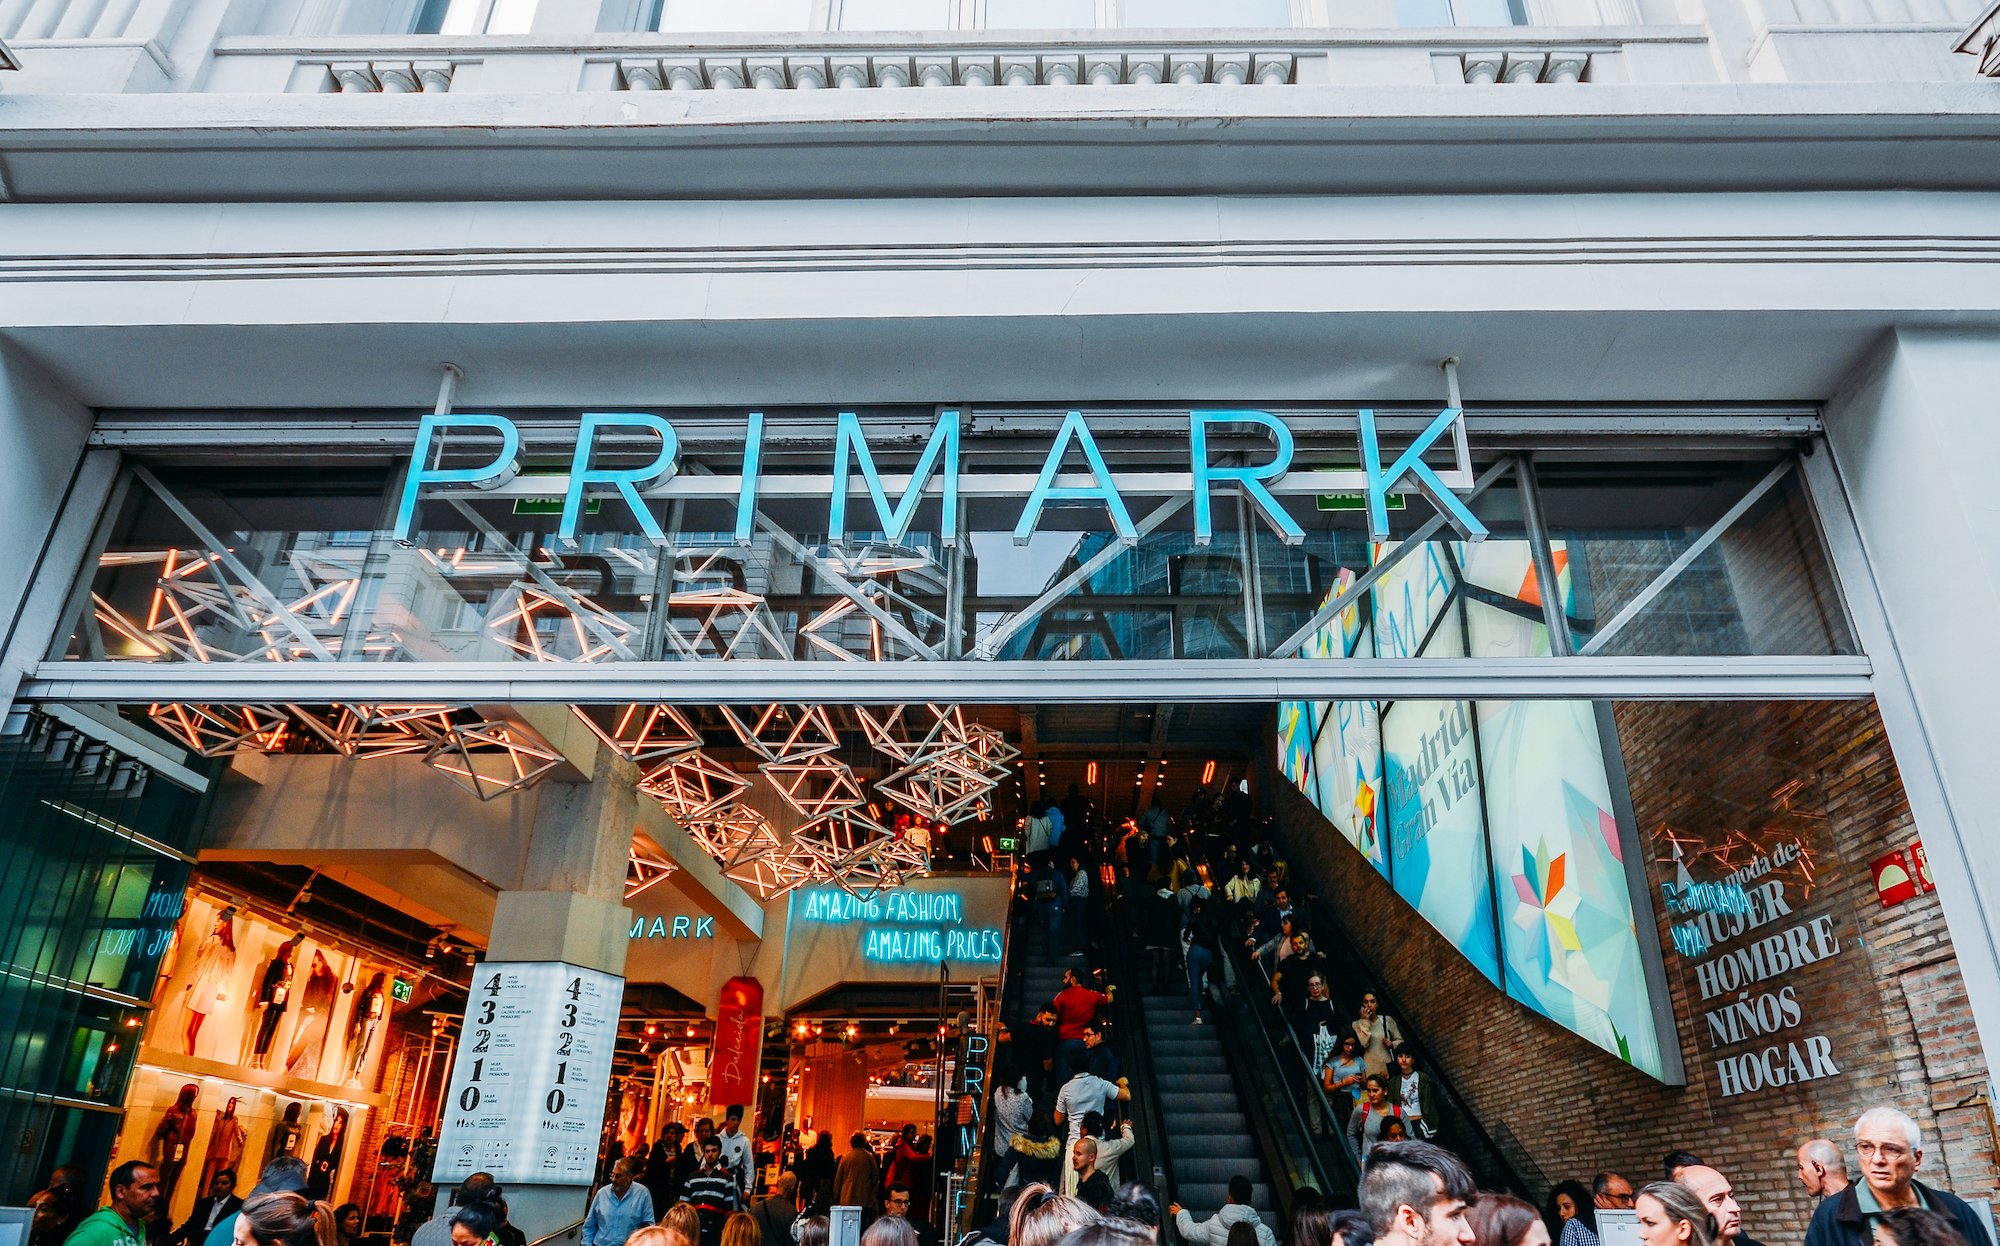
column 1650, row 229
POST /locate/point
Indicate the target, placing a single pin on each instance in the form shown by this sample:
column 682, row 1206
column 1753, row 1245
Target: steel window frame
column 977, row 678
column 968, row 682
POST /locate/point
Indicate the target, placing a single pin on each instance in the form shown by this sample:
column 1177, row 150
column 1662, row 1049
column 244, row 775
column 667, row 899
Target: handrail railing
column 1149, row 1160
column 1335, row 1168
column 1269, row 1095
column 1350, row 975
column 568, row 1230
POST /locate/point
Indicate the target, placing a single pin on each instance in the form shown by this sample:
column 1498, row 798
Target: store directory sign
column 528, row 1085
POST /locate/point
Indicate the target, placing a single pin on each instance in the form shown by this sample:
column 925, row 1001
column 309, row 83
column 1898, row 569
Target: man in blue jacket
column 1890, row 1147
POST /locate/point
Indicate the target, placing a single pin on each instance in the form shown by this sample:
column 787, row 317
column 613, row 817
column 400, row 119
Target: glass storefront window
column 1200, row 13
column 707, row 16
column 1717, row 557
column 475, row 17
column 1416, row 13
column 895, row 14
column 1041, row 14
column 97, row 864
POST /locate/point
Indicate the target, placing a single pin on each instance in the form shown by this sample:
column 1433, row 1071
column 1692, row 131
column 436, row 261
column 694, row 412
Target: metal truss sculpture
column 784, row 733
column 850, row 850
column 646, row 867
column 729, row 621
column 523, row 759
column 486, row 758
column 223, row 730
column 949, row 767
column 944, row 769
column 640, row 733
column 819, row 786
column 193, row 608
column 377, row 730
column 543, row 624
column 693, row 786
column 887, row 615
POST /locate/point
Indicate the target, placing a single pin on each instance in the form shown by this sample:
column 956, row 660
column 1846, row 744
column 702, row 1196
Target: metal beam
column 225, row 552
column 1673, row 570
column 1060, row 590
column 1718, row 423
column 1366, row 580
column 966, row 682
column 1547, row 584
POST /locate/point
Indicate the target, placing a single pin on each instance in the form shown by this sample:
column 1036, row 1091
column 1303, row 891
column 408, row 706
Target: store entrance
column 833, row 915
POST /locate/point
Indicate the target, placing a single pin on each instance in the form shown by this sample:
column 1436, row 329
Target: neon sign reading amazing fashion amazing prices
column 938, row 471
column 902, row 927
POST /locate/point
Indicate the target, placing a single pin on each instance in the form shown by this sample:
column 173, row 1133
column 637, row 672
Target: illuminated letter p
column 501, row 470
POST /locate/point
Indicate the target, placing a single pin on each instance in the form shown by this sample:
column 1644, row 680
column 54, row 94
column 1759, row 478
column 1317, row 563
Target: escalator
column 1215, row 1089
column 1496, row 1159
column 1237, row 1095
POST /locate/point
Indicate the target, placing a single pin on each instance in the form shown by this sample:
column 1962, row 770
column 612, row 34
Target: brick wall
column 1890, row 1003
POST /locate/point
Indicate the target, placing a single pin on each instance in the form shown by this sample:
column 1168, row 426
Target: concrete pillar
column 42, row 432
column 576, row 859
column 1917, row 447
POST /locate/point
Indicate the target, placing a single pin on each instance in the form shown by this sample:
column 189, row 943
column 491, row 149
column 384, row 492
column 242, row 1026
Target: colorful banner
column 1494, row 821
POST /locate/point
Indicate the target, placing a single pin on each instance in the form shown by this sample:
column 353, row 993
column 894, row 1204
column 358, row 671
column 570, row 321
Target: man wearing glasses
column 1890, row 1147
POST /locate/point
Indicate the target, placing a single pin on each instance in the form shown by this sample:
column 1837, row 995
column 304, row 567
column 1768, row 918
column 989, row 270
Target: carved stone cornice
column 949, row 67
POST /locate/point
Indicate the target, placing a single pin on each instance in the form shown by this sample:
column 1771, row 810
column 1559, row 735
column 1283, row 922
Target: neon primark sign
column 938, row 472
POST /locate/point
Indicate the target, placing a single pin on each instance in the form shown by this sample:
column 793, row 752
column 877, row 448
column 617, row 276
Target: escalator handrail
column 1362, row 978
column 1249, row 1022
column 1151, row 1163
column 1291, row 1056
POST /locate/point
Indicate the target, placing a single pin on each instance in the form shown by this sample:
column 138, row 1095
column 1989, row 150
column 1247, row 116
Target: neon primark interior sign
column 938, row 471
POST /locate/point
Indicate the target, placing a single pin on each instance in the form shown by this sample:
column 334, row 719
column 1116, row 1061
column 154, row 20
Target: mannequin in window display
column 214, row 961
column 366, row 1018
column 285, row 1134
column 315, row 1018
column 225, row 1144
column 274, row 988
column 172, row 1137
column 326, row 1157
column 632, row 1110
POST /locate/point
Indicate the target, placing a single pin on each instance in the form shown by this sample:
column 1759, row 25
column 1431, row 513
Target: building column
column 42, row 432
column 576, row 859
column 1917, row 450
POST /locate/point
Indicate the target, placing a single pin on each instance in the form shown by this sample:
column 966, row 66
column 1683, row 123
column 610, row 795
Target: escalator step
column 1173, row 1102
column 1191, row 1121
column 1239, row 1147
column 1203, row 1169
column 1204, row 1198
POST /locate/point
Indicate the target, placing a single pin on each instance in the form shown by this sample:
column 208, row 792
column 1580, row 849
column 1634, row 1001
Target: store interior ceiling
column 1121, row 755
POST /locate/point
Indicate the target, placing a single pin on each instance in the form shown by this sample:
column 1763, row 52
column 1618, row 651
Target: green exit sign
column 401, row 989
column 1358, row 501
column 553, row 506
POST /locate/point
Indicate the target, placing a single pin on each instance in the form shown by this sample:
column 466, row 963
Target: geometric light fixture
column 640, row 733
column 693, row 786
column 221, row 730
column 543, row 627
column 647, row 867
column 491, row 759
column 377, row 730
